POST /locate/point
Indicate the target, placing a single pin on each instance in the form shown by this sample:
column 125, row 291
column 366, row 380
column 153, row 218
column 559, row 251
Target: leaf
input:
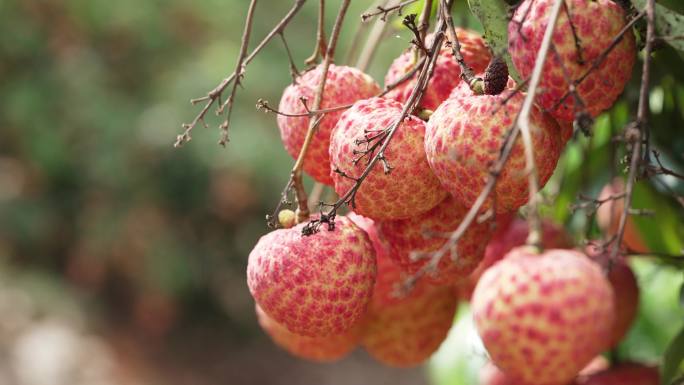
column 669, row 24
column 673, row 358
column 493, row 14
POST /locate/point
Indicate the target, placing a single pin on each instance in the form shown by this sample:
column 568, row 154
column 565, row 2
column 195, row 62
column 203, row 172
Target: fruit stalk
column 640, row 128
column 523, row 123
column 296, row 173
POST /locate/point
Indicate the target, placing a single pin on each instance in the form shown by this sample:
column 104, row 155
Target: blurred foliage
column 93, row 195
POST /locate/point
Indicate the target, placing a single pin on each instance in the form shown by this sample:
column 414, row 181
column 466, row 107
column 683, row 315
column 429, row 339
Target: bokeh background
column 122, row 259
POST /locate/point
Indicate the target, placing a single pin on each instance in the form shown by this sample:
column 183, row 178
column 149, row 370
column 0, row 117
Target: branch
column 320, row 35
column 467, row 74
column 534, row 237
column 634, row 134
column 296, row 173
column 385, row 11
column 239, row 70
column 215, row 94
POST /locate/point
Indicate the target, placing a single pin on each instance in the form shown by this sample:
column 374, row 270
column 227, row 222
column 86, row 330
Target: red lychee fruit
column 594, row 23
column 404, row 329
column 380, row 244
column 543, row 317
column 464, row 137
column 410, row 188
column 343, row 86
column 320, row 349
column 609, row 213
column 425, row 234
column 313, row 285
column 625, row 289
column 504, row 240
column 566, row 130
column 447, row 72
column 624, row 374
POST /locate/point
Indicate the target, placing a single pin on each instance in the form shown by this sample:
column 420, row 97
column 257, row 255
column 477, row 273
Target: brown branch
column 523, row 122
column 507, row 147
column 374, row 37
column 424, row 20
column 215, row 94
column 240, row 71
column 385, row 11
column 295, row 181
column 662, row 170
column 320, row 35
column 467, row 73
column 635, row 134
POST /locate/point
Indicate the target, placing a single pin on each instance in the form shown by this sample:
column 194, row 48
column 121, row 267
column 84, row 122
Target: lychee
column 609, row 213
column 542, row 318
column 464, row 137
column 320, row 349
column 624, row 374
column 625, row 289
column 491, row 375
column 403, row 329
column 409, row 187
column 577, row 43
column 447, row 72
column 313, row 285
column 504, row 240
column 343, row 86
column 425, row 234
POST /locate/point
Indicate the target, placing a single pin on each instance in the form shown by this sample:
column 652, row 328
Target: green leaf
column 673, row 358
column 669, row 24
column 493, row 14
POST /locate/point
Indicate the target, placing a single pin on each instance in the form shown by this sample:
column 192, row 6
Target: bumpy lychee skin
column 403, row 330
column 624, row 374
column 609, row 213
column 407, row 236
column 313, row 285
column 344, row 85
column 320, row 349
column 554, row 236
column 447, row 72
column 596, row 23
column 464, row 138
column 491, row 375
column 625, row 289
column 543, row 317
column 380, row 244
column 410, row 188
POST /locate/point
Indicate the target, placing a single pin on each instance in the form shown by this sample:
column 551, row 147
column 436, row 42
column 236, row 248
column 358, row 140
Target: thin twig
column 467, row 73
column 296, row 173
column 320, row 35
column 637, row 132
column 424, row 20
column 385, row 11
column 534, row 237
column 215, row 94
column 374, row 37
column 240, row 71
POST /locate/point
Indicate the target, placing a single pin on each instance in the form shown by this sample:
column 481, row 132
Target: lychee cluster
column 389, row 274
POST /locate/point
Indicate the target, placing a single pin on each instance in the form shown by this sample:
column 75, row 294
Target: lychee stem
column 523, row 123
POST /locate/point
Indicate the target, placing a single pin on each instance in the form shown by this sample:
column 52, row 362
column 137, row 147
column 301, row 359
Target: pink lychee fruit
column 609, row 213
column 344, row 85
column 464, row 138
column 319, row 349
column 314, row 285
column 447, row 72
column 625, row 289
column 566, row 130
column 624, row 374
column 403, row 329
column 543, row 317
column 409, row 188
column 424, row 234
column 577, row 43
column 554, row 236
column 380, row 244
